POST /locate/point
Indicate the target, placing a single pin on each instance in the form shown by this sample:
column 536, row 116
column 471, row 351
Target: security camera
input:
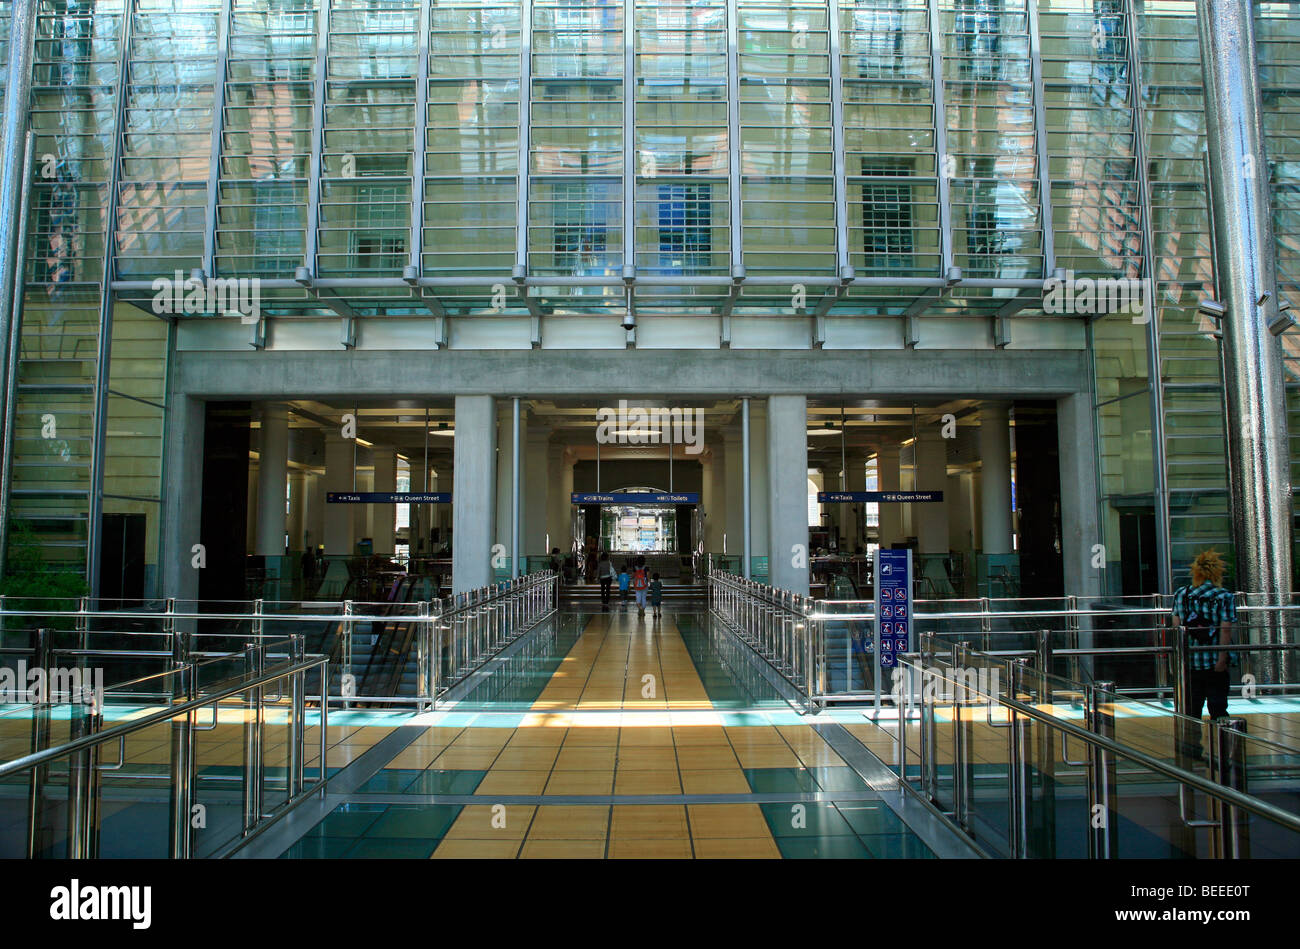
column 629, row 321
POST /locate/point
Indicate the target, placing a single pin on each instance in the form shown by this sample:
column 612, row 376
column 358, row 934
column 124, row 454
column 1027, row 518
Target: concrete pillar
column 474, row 494
column 759, row 488
column 558, row 506
column 337, row 536
column 384, row 516
column 1080, row 528
column 315, row 521
column 716, row 509
column 297, row 523
column 272, row 480
column 505, row 471
column 995, row 485
column 734, row 495
column 853, row 516
column 361, row 513
column 931, row 519
column 832, row 481
column 888, row 460
column 182, row 502
column 787, row 490
column 536, row 490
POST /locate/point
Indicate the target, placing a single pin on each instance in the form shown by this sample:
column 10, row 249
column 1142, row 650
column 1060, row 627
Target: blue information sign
column 893, row 604
column 878, row 497
column 386, row 497
column 637, row 497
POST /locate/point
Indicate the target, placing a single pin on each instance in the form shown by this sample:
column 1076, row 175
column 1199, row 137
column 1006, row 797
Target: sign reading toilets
column 893, row 604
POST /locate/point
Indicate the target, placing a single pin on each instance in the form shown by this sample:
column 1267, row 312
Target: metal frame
column 317, row 140
column 735, row 207
column 218, row 130
column 416, row 243
column 629, row 144
column 525, row 123
column 1040, row 141
column 95, row 505
column 943, row 182
column 841, row 184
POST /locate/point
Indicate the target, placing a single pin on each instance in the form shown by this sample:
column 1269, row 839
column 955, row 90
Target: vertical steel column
column 844, row 269
column 415, row 262
column 1258, row 447
column 218, row 128
column 1232, row 837
column 735, row 211
column 9, row 381
column 1164, row 571
column 317, row 138
column 38, row 832
column 184, row 688
column 629, row 143
column 525, row 119
column 514, row 493
column 103, row 361
column 1040, row 141
column 1103, row 840
column 943, row 181
column 13, row 184
column 744, row 478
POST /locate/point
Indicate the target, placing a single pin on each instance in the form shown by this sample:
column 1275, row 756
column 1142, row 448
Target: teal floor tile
column 390, row 781
column 389, row 848
column 348, row 820
column 815, row 820
column 897, row 847
column 423, row 822
column 872, row 819
column 825, row 848
column 318, row 848
column 446, row 782
column 839, row 779
column 780, row 780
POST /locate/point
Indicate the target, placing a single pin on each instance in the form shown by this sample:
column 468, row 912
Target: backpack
column 1197, row 621
column 638, row 579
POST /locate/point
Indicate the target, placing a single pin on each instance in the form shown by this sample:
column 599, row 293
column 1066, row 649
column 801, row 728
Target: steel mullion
column 1040, row 140
column 416, row 243
column 629, row 138
column 100, row 418
column 525, row 122
column 943, row 180
column 218, row 128
column 844, row 269
column 733, row 142
column 317, row 138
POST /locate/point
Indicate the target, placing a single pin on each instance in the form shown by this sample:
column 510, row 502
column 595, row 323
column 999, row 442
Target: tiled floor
column 624, row 713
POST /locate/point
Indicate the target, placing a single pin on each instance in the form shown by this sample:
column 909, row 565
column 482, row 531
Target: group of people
column 635, row 577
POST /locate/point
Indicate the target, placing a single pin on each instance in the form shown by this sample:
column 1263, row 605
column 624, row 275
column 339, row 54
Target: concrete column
column 250, row 512
column 888, row 459
column 931, row 519
column 272, row 480
column 474, row 493
column 995, row 485
column 536, row 489
column 787, row 489
column 558, row 506
column 297, row 509
column 182, row 502
column 384, row 516
column 853, row 516
column 337, row 536
column 315, row 523
column 734, row 495
column 505, row 471
column 716, row 508
column 832, row 481
column 362, row 515
column 759, row 475
column 1079, row 523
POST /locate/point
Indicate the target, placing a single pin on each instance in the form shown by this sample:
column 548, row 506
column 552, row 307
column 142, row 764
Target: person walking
column 605, row 573
column 1207, row 611
column 624, row 581
column 656, row 595
column 640, row 583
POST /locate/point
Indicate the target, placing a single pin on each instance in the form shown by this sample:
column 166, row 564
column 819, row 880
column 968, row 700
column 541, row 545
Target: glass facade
column 578, row 156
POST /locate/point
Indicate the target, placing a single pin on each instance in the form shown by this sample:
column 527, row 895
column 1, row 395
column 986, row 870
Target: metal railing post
column 1021, row 760
column 39, row 834
column 298, row 652
column 254, row 663
column 962, row 771
column 1231, row 839
column 1046, row 813
column 81, row 782
column 184, row 689
column 1188, row 733
column 1103, row 812
column 347, row 681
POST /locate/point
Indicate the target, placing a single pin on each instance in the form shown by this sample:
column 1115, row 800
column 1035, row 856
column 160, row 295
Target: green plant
column 35, row 585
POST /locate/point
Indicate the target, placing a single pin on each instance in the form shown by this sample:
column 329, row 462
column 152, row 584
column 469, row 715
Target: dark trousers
column 1204, row 687
column 605, row 584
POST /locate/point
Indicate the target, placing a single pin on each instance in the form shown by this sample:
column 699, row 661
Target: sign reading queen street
column 879, row 497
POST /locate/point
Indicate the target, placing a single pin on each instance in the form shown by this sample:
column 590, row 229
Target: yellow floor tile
column 580, row 782
column 563, row 850
column 715, row 782
column 727, row 820
column 637, row 849
column 648, row 821
column 563, row 822
column 484, row 822
column 647, row 782
column 477, row 849
column 736, row 848
column 499, row 781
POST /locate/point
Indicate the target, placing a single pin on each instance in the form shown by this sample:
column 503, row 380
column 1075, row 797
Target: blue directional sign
column 637, row 497
column 386, row 497
column 878, row 497
column 893, row 604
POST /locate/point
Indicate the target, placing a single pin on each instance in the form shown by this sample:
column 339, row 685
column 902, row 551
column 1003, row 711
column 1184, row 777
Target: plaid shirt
column 1216, row 605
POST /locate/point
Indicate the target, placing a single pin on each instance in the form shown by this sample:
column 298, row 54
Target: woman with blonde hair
column 1207, row 611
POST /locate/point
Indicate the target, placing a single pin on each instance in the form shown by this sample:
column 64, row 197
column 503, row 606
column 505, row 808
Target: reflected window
column 581, row 229
column 978, row 26
column 685, row 235
column 887, row 215
column 877, row 39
